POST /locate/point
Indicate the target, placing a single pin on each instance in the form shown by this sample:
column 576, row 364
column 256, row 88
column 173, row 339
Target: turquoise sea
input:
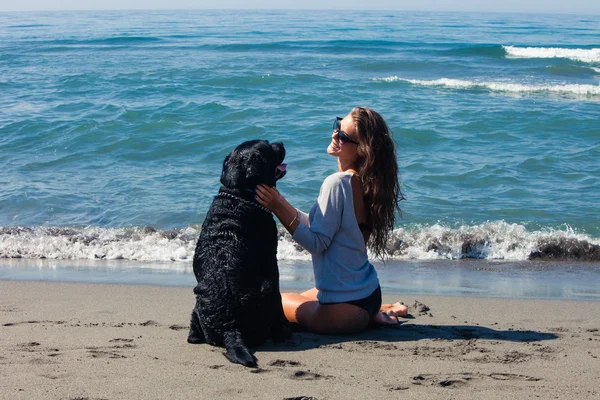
column 114, row 126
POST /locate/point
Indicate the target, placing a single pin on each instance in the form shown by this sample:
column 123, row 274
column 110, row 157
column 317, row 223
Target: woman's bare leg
column 388, row 314
column 292, row 302
column 330, row 319
column 398, row 308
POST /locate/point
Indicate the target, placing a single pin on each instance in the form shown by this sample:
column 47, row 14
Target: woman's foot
column 388, row 317
column 399, row 309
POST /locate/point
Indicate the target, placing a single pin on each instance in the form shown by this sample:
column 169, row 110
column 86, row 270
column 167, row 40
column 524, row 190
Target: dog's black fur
column 238, row 303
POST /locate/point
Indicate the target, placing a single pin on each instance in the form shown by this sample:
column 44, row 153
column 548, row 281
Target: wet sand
column 97, row 341
column 478, row 278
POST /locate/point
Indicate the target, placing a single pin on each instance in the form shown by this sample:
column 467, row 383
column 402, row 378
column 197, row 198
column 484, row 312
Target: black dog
column 237, row 297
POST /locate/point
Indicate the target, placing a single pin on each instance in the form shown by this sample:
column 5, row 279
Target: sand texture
column 83, row 341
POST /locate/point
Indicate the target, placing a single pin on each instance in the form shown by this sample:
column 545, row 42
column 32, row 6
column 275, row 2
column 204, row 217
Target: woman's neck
column 346, row 166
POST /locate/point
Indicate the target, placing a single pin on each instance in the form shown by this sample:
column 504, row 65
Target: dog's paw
column 196, row 336
column 195, row 340
column 241, row 355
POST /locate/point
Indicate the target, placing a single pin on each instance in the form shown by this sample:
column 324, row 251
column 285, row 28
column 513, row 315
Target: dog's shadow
column 407, row 332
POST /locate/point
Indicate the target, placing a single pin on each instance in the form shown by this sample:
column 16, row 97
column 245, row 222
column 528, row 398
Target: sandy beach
column 95, row 341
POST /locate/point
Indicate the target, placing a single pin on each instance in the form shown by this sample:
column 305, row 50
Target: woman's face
column 340, row 146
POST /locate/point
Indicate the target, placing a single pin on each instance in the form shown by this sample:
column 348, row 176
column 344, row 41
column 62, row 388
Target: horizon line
column 579, row 13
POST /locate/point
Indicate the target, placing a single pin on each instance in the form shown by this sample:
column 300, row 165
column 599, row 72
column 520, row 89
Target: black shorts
column 370, row 304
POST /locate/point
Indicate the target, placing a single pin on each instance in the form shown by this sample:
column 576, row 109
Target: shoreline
column 469, row 278
column 106, row 341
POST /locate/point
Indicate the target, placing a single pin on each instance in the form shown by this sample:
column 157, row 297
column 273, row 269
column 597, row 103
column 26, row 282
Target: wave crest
column 581, row 55
column 569, row 89
column 497, row 240
column 90, row 243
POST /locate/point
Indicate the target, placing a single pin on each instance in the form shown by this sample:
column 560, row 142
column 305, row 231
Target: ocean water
column 114, row 126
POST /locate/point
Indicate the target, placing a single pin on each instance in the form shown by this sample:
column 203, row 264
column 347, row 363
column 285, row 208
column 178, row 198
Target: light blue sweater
column 332, row 236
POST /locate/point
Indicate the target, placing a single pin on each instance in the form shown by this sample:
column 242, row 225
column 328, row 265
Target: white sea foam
column 93, row 243
column 496, row 240
column 582, row 55
column 98, row 243
column 493, row 240
column 567, row 89
column 287, row 249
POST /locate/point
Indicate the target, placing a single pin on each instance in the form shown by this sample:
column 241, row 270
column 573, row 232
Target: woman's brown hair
column 378, row 170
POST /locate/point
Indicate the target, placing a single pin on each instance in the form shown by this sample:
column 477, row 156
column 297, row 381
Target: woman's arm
column 327, row 217
column 283, row 210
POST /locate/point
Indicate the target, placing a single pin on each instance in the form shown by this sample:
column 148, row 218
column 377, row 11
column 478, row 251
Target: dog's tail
column 237, row 352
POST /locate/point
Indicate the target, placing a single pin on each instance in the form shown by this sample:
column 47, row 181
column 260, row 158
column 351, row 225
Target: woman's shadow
column 405, row 332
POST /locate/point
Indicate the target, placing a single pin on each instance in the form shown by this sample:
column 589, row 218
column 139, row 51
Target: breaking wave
column 567, row 89
column 497, row 240
column 491, row 241
column 581, row 55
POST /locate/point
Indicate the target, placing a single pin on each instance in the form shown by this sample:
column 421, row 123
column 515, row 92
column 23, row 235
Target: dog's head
column 252, row 163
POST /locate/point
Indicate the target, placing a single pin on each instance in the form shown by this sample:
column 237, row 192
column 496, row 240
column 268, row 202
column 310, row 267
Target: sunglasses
column 343, row 137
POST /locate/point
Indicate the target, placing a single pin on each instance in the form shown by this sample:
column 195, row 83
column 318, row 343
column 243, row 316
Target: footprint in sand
column 447, row 381
column 19, row 323
column 179, row 327
column 513, row 377
column 41, row 361
column 301, row 398
column 462, row 379
column 35, row 322
column 54, row 376
column 113, row 351
column 284, row 363
column 395, row 388
column 149, row 323
column 258, row 370
column 29, row 344
column 308, row 376
column 87, row 398
column 36, row 347
column 97, row 353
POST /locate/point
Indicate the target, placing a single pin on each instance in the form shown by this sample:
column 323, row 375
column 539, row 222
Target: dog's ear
column 243, row 170
column 248, row 165
column 227, row 179
column 255, row 169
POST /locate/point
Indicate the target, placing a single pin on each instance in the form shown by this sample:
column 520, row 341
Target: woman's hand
column 269, row 197
column 286, row 213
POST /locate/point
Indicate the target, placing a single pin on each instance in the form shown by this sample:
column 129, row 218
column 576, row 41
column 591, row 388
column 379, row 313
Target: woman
column 356, row 207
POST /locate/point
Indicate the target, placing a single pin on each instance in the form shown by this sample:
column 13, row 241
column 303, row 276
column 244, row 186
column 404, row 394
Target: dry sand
column 83, row 341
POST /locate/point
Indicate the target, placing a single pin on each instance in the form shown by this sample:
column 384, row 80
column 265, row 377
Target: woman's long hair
column 378, row 170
